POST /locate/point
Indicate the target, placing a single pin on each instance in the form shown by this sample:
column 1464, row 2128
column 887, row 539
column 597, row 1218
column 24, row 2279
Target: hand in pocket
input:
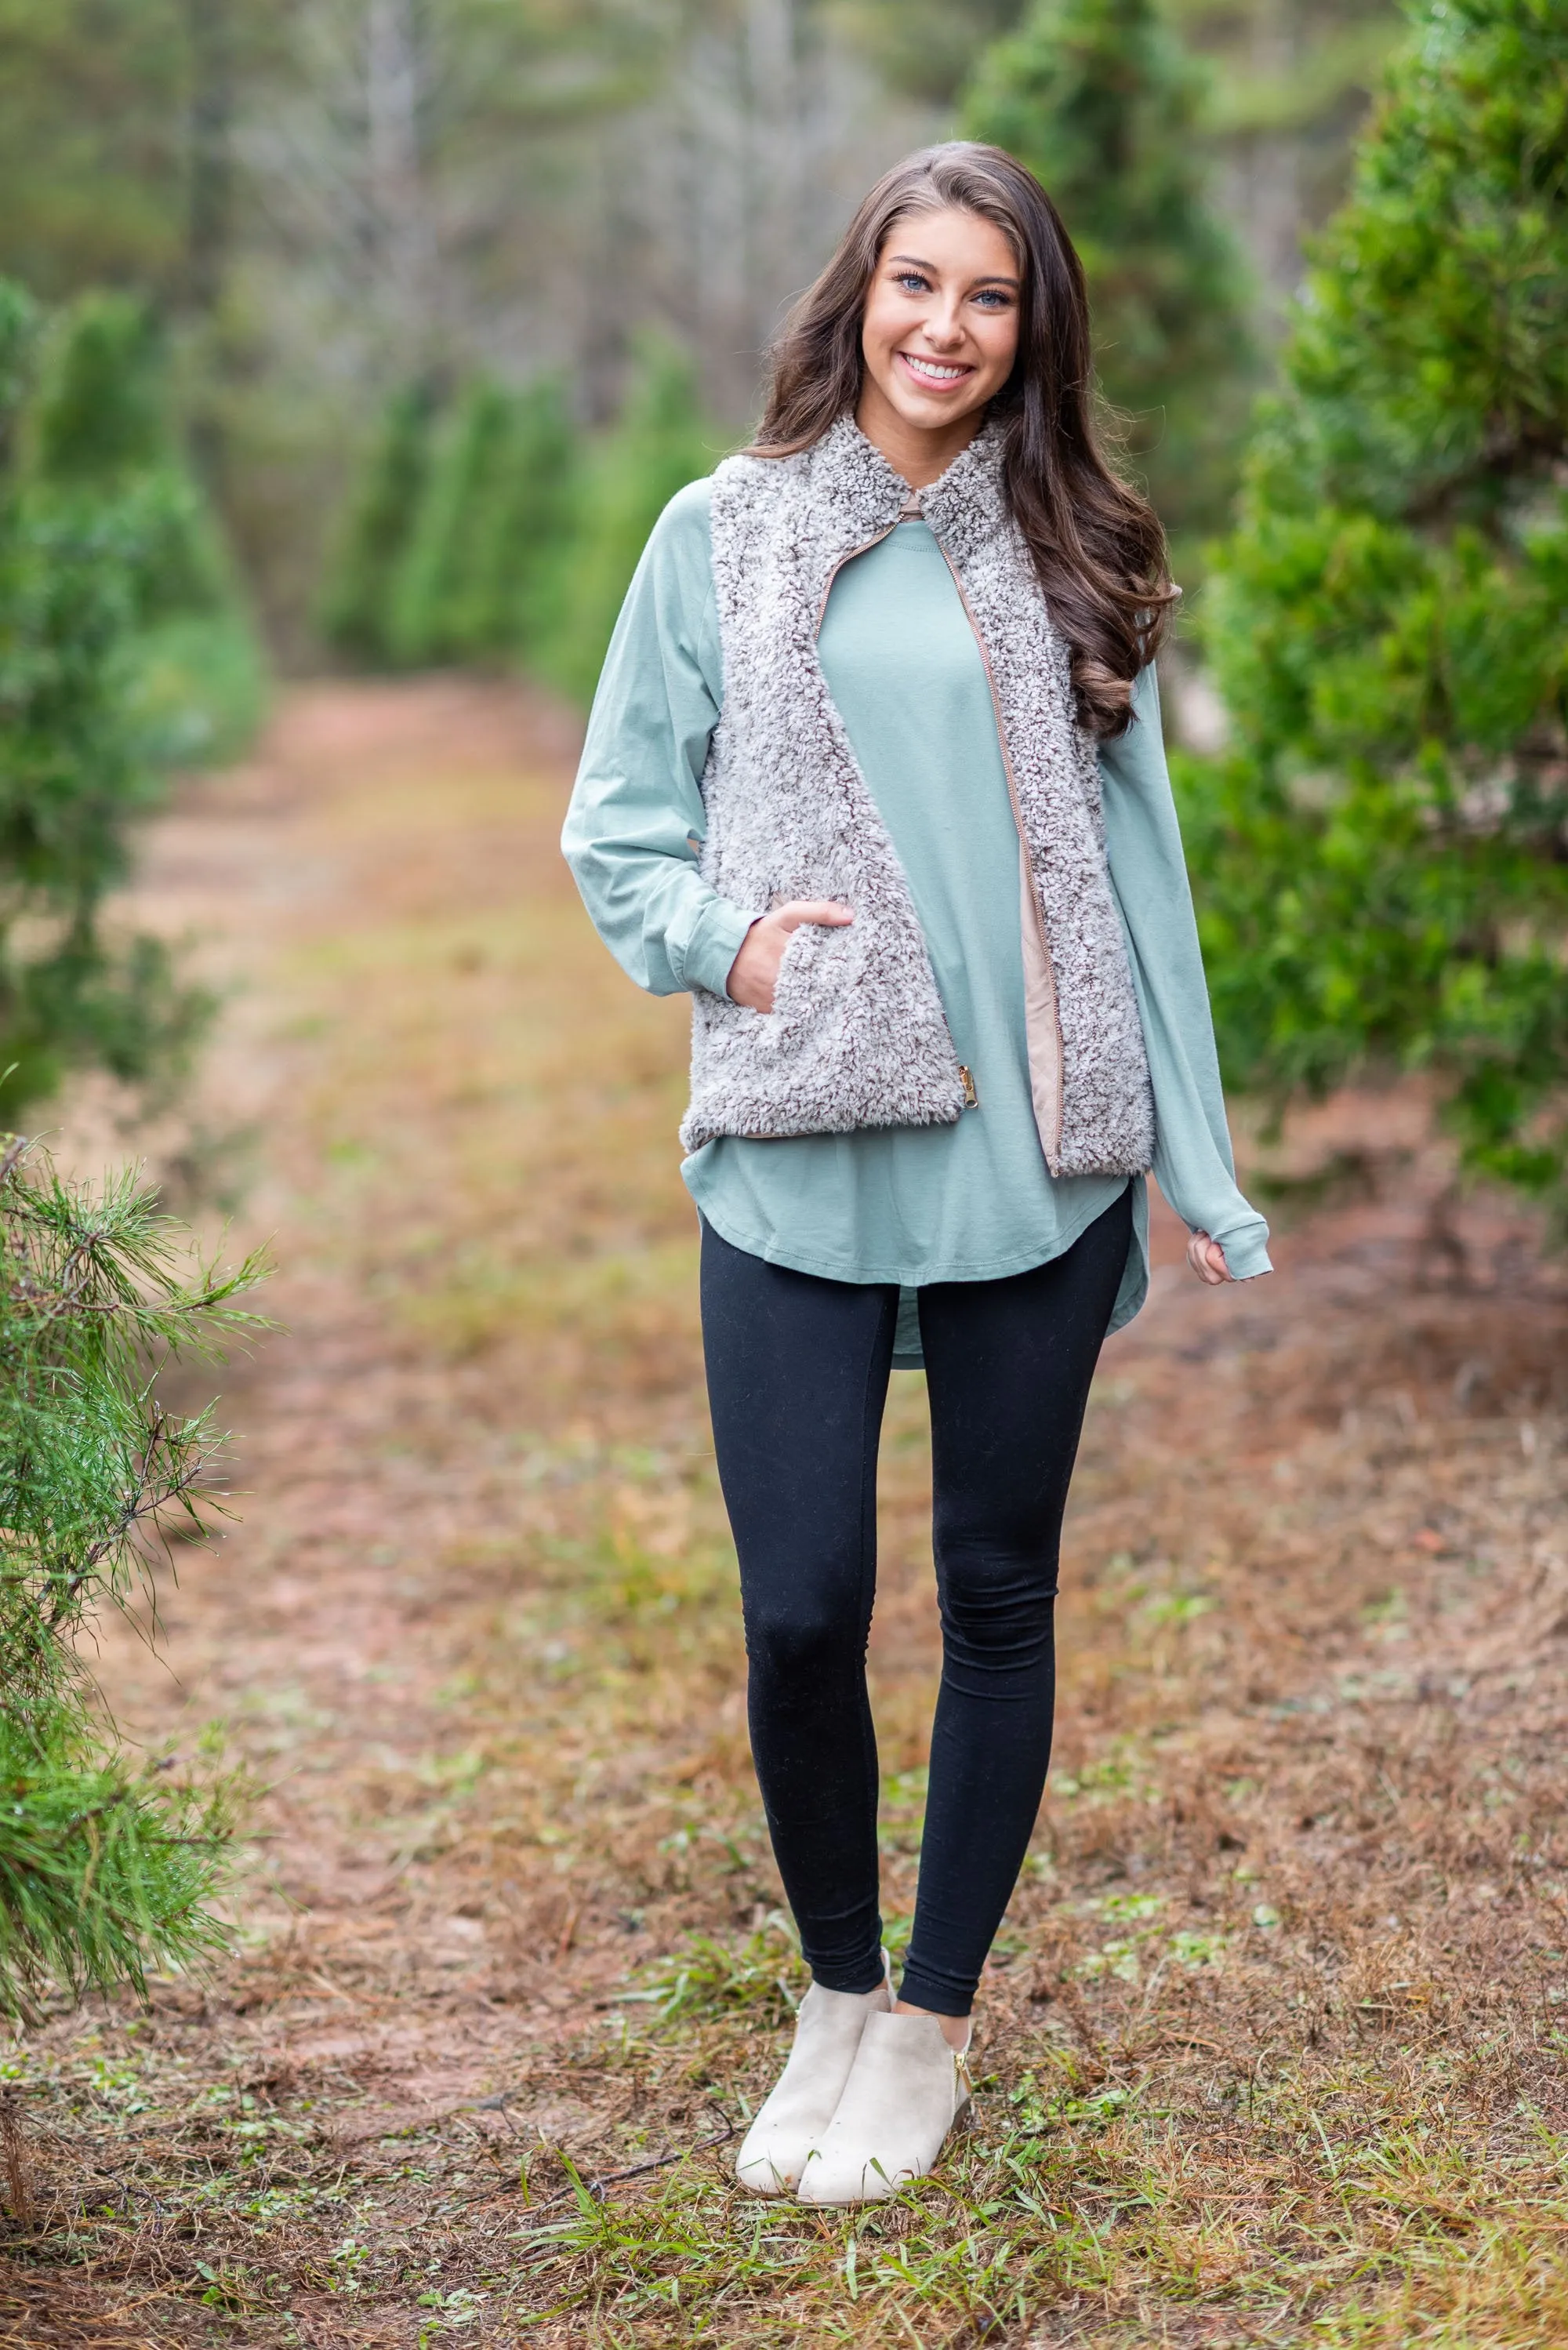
column 754, row 972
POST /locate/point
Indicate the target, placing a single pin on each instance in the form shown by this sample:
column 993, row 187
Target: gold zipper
column 1054, row 1147
column 910, row 512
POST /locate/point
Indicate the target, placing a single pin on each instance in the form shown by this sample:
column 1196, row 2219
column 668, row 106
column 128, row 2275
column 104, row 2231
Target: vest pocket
column 806, row 979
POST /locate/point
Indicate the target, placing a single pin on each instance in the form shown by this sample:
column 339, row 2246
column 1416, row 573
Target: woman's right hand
column 755, row 969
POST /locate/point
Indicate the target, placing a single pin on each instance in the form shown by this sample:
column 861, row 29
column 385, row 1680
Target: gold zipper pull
column 971, row 1098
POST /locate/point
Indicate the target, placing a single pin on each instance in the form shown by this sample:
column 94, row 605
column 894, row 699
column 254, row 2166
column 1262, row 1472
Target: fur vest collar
column 858, row 1036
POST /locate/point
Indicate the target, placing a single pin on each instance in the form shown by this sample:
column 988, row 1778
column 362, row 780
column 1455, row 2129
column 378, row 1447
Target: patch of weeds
column 1176, row 1607
column 761, row 1979
column 230, row 2289
column 1117, row 1958
column 344, row 2269
column 1067, row 2103
column 1131, row 1909
column 1122, row 1957
column 454, row 2312
column 1192, row 1950
column 1112, row 1775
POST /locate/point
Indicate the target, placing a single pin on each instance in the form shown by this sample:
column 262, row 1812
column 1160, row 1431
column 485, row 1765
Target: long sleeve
column 1192, row 1161
column 635, row 826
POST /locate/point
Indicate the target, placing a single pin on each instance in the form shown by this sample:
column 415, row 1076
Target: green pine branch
column 103, row 1869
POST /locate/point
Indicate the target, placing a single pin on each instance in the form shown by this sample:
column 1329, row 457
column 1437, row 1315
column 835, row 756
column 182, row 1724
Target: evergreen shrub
column 1100, row 101
column 1381, row 854
column 101, row 429
column 372, row 543
column 80, row 573
column 433, row 600
column 661, row 442
column 495, row 512
column 495, row 535
column 104, row 1866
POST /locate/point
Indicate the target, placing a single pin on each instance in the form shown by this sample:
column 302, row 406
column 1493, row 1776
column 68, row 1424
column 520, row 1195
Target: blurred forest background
column 351, row 214
column 348, row 349
column 375, row 333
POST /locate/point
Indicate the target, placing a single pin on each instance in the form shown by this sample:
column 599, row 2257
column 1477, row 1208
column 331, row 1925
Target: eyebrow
column 913, row 261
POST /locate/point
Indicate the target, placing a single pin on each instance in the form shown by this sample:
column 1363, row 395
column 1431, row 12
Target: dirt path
column 474, row 1637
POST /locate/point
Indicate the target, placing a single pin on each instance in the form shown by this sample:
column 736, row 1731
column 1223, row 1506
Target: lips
column 934, row 375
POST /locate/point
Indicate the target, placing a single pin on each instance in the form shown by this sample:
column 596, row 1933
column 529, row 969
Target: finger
column 1206, row 1259
column 811, row 910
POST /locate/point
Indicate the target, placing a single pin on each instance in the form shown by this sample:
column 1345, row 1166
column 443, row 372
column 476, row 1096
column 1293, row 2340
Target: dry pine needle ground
column 1273, row 2041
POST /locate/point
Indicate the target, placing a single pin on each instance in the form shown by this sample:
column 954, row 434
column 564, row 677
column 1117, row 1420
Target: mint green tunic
column 910, row 1205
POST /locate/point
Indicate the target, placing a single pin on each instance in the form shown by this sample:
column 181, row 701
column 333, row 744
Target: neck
column 919, row 455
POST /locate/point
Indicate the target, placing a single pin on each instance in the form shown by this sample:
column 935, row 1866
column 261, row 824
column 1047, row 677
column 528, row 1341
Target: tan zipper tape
column 1042, row 1027
column 1043, row 1019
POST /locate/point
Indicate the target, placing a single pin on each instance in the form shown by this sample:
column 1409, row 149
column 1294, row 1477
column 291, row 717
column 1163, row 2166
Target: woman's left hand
column 1206, row 1259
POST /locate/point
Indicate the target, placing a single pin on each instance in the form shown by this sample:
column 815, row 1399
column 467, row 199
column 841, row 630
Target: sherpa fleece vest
column 858, row 1036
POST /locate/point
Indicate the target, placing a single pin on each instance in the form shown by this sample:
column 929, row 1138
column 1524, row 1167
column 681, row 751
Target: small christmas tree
column 104, row 1867
column 356, row 609
column 1381, row 856
column 433, row 617
column 659, row 442
column 523, row 526
column 100, row 430
column 1101, row 104
column 75, row 755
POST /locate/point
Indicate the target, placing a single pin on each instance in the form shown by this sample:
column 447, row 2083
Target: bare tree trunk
column 397, row 79
column 210, row 207
column 209, row 204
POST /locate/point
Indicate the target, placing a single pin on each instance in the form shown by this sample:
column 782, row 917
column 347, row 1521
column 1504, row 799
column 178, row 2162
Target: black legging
column 797, row 1376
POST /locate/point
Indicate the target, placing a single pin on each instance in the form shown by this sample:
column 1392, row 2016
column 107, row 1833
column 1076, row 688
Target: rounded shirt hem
column 826, row 1268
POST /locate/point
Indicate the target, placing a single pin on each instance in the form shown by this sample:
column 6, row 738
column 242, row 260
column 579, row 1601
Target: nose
column 943, row 328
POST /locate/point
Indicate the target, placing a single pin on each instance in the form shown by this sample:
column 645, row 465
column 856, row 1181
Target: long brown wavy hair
column 1098, row 545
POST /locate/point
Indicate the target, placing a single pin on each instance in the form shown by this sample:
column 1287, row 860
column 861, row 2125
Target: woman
column 874, row 772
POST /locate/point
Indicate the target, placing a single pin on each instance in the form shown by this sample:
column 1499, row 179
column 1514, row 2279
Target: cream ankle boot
column 791, row 2121
column 905, row 2091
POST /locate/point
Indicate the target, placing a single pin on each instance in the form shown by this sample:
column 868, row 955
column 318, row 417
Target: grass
column 1273, row 2040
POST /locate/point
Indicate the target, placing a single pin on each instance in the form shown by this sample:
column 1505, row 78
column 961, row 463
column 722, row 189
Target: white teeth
column 933, row 368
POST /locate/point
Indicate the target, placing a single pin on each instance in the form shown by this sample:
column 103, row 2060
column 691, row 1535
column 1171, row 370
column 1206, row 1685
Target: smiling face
column 939, row 335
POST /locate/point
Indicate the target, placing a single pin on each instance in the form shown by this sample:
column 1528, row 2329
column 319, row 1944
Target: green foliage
column 761, row 1979
column 101, row 1867
column 455, row 530
column 93, row 120
column 102, row 412
column 100, row 428
column 494, row 515
column 661, row 443
column 522, row 534
column 19, row 338
column 501, row 538
column 926, row 48
column 433, row 612
column 1097, row 97
column 90, row 591
column 1384, row 875
column 355, row 610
